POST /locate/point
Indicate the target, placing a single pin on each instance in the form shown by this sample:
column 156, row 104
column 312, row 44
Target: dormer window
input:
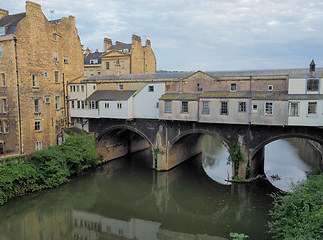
column 94, row 61
column 233, row 87
column 2, row 31
column 313, row 84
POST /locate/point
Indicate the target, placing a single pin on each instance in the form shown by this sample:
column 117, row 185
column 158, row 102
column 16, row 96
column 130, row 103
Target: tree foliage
column 47, row 168
column 299, row 214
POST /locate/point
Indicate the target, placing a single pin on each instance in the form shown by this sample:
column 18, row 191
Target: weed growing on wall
column 235, row 157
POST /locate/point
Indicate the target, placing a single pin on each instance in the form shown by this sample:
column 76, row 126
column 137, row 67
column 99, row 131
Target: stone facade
column 120, row 58
column 49, row 56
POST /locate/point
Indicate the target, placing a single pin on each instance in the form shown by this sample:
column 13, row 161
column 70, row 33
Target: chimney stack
column 87, row 52
column 3, row 13
column 107, row 44
column 312, row 69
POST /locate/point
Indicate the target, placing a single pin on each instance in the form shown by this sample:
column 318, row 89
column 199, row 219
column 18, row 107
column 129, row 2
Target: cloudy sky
column 207, row 35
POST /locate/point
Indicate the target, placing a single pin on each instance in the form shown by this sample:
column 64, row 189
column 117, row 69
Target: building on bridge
column 37, row 58
column 273, row 97
column 120, row 58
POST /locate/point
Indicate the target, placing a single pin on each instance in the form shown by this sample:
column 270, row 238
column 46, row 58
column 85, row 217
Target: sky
column 207, row 35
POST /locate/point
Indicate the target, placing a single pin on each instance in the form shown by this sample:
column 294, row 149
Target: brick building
column 120, row 58
column 38, row 58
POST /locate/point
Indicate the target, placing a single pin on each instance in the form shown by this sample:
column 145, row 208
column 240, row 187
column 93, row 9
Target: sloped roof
column 95, row 55
column 119, row 47
column 11, row 21
column 111, row 95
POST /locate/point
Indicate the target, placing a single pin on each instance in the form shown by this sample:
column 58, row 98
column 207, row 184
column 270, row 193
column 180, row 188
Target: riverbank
column 47, row 168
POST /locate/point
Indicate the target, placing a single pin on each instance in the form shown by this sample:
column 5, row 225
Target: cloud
column 206, row 34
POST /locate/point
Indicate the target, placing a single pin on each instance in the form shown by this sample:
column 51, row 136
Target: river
column 125, row 199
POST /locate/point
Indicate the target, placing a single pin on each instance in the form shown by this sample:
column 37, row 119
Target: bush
column 299, row 215
column 47, row 168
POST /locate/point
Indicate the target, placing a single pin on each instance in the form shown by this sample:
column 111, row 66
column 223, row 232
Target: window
column 120, row 87
column 82, row 88
column 294, row 109
column 270, row 87
column 312, row 108
column 205, row 107
column 92, row 72
column 233, row 87
column 37, row 125
column 77, row 88
column 56, row 77
column 185, row 107
column 84, row 73
column 3, row 80
column 36, row 105
column 242, row 107
column 224, row 108
column 47, row 100
column 46, row 74
column 122, row 64
column 107, row 65
column 107, row 105
column 0, row 50
column 5, row 126
column 167, row 88
column 82, row 104
column 55, row 56
column 313, row 84
column 72, row 104
column 94, row 61
column 2, row 31
column 4, row 105
column 78, row 104
column 269, row 108
column 254, row 108
column 57, row 102
column 199, row 87
column 119, row 105
column 99, row 72
column 65, row 59
column 54, row 37
column 39, row 145
column 150, row 88
column 34, row 80
column 168, row 106
column 71, row 88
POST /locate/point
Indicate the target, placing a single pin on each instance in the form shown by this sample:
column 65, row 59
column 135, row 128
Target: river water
column 125, row 199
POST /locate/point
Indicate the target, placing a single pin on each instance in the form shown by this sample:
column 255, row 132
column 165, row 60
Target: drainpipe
column 18, row 93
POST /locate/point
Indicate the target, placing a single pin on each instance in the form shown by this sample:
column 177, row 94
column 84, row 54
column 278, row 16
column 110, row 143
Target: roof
column 111, row 95
column 292, row 73
column 95, row 55
column 11, row 21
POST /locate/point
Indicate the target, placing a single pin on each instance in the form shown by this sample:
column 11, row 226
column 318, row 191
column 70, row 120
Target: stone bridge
column 173, row 142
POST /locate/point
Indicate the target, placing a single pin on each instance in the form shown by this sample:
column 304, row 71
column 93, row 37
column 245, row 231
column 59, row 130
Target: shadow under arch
column 117, row 127
column 283, row 136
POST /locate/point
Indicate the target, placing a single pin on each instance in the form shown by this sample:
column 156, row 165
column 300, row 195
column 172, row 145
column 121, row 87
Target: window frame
column 120, row 87
column 107, row 65
column 224, row 110
column 34, row 79
column 151, row 88
column 56, row 74
column 119, row 105
column 269, row 111
column 184, row 108
column 290, row 109
column 1, row 50
column 199, row 87
column 233, row 87
column 4, row 105
column 312, row 84
column 205, row 107
column 57, row 103
column 2, row 31
column 38, row 145
column 242, row 107
column 3, row 80
column 168, row 106
column 55, row 56
column 37, row 125
column 5, row 126
column 36, row 105
column 308, row 108
column 54, row 37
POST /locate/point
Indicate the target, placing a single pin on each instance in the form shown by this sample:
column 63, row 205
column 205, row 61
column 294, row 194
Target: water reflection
column 121, row 199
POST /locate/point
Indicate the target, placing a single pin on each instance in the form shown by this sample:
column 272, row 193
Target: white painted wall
column 75, row 90
column 125, row 112
column 145, row 101
column 304, row 119
column 298, row 86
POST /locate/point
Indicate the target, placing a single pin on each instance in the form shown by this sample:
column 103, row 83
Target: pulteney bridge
column 176, row 141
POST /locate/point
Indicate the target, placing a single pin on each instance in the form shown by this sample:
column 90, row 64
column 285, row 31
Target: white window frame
column 106, row 105
column 34, row 79
column 2, row 31
column 36, row 105
column 308, row 108
column 4, row 105
column 3, row 80
column 151, row 88
column 120, row 87
column 199, row 87
column 54, row 37
column 254, row 108
column 295, row 112
column 270, row 88
column 37, row 125
column 119, row 105
column 233, row 87
column 57, row 102
column 269, row 111
column 242, row 107
column 5, row 126
column 122, row 64
column 39, row 145
column 55, row 56
column 184, row 107
column 206, row 107
column 311, row 86
column 224, row 110
column 168, row 106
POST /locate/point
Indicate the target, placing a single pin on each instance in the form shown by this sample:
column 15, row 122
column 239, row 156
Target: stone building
column 38, row 58
column 120, row 58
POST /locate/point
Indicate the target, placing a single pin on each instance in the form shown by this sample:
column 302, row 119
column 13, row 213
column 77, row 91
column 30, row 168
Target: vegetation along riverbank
column 47, row 168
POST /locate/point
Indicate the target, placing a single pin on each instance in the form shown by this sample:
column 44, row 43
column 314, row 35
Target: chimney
column 312, row 69
column 72, row 18
column 97, row 50
column 148, row 43
column 136, row 38
column 107, row 44
column 119, row 43
column 87, row 52
column 3, row 13
column 32, row 8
